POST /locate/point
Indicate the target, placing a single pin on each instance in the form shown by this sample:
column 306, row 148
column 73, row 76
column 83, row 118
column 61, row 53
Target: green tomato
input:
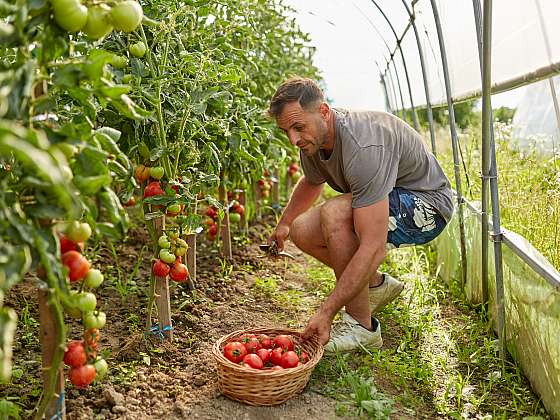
column 86, row 302
column 138, row 49
column 234, row 217
column 163, row 242
column 101, row 368
column 182, row 243
column 142, row 147
column 118, row 61
column 157, row 172
column 173, row 209
column 179, row 252
column 98, row 24
column 127, row 15
column 93, row 278
column 78, row 232
column 70, row 15
column 166, row 256
column 94, row 320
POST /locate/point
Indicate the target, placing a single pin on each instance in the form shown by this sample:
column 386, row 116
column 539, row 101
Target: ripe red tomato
column 152, row 189
column 264, row 354
column 253, row 345
column 277, row 367
column 82, row 376
column 276, row 356
column 211, row 212
column 179, row 272
column 141, row 173
column 67, row 245
column 235, row 351
column 254, row 361
column 75, row 355
column 304, row 357
column 131, row 202
column 77, row 264
column 265, row 340
column 290, row 359
column 240, row 210
column 160, row 269
column 245, row 338
column 284, row 341
column 213, row 230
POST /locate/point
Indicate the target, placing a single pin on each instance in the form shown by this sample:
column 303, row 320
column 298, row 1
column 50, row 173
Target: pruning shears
column 271, row 250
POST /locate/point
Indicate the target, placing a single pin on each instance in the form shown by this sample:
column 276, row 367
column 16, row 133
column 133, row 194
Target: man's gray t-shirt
column 375, row 152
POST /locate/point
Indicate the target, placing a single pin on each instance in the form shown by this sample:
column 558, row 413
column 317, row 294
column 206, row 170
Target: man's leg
column 327, row 233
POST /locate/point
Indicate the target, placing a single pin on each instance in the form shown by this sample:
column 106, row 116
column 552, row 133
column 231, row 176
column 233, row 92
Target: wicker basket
column 264, row 387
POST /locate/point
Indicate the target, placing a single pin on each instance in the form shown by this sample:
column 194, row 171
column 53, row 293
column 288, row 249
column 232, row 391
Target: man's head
column 299, row 108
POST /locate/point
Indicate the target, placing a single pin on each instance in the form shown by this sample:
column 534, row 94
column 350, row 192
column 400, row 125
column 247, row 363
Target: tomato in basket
column 235, row 351
column 284, row 341
column 253, row 361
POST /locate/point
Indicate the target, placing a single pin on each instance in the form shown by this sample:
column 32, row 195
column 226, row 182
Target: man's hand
column 280, row 235
column 319, row 326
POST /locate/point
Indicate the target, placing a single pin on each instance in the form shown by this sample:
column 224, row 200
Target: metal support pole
column 394, row 89
column 398, row 41
column 490, row 170
column 454, row 142
column 424, row 78
column 403, row 109
column 387, row 104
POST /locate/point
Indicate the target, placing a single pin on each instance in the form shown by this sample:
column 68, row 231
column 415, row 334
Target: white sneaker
column 382, row 295
column 347, row 334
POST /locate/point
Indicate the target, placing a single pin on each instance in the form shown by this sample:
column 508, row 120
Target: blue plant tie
column 160, row 332
column 59, row 407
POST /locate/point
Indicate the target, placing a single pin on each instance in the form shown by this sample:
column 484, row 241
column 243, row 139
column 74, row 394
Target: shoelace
column 341, row 328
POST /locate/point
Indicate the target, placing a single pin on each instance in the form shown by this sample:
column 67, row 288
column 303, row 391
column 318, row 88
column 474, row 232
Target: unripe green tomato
column 70, row 15
column 126, row 15
column 98, row 24
column 163, row 242
column 179, row 252
column 94, row 320
column 143, row 148
column 234, row 217
column 118, row 61
column 86, row 302
column 137, row 49
column 157, row 172
column 101, row 368
column 182, row 243
column 173, row 209
column 166, row 256
column 78, row 232
column 93, row 278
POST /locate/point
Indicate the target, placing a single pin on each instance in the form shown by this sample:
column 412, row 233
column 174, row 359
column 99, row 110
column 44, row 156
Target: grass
column 439, row 359
column 528, row 183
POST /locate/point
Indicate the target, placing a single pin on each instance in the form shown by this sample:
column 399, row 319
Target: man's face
column 306, row 129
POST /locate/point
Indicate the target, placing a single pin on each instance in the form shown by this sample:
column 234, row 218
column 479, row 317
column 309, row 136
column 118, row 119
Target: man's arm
column 302, row 198
column 370, row 225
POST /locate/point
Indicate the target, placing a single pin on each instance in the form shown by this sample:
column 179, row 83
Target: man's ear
column 324, row 110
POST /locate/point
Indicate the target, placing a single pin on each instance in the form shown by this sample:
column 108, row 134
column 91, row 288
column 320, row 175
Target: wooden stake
column 191, row 259
column 224, row 231
column 242, row 201
column 163, row 301
column 47, row 336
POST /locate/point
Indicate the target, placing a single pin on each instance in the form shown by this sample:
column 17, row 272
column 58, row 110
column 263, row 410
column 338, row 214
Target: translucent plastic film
column 532, row 305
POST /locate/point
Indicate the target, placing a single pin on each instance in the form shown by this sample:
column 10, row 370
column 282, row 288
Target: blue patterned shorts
column 412, row 221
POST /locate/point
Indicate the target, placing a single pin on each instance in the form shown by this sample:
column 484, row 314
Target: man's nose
column 293, row 137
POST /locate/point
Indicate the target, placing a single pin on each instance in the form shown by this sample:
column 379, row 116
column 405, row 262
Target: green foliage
column 504, row 114
column 466, row 114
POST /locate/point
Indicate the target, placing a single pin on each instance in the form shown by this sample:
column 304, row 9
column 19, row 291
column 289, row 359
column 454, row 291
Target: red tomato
column 254, row 361
column 235, row 351
column 290, row 359
column 179, row 272
column 277, row 367
column 67, row 245
column 131, row 202
column 210, row 212
column 75, row 355
column 213, row 230
column 77, row 264
column 284, row 341
column 253, row 345
column 264, row 354
column 240, row 210
column 265, row 340
column 82, row 376
column 160, row 269
column 245, row 338
column 152, row 189
column 304, row 357
column 276, row 356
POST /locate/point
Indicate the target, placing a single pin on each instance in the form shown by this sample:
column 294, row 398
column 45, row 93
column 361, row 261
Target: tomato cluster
column 154, row 174
column 293, row 171
column 264, row 352
column 212, row 222
column 236, row 209
column 170, row 261
column 97, row 20
column 265, row 185
column 81, row 357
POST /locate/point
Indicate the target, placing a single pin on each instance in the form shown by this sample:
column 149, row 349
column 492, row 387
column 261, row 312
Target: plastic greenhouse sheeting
column 532, row 305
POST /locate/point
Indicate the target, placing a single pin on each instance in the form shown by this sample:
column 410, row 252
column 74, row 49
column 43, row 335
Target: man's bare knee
column 336, row 215
column 298, row 231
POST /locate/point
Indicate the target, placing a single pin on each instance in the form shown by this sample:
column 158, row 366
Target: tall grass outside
column 528, row 183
